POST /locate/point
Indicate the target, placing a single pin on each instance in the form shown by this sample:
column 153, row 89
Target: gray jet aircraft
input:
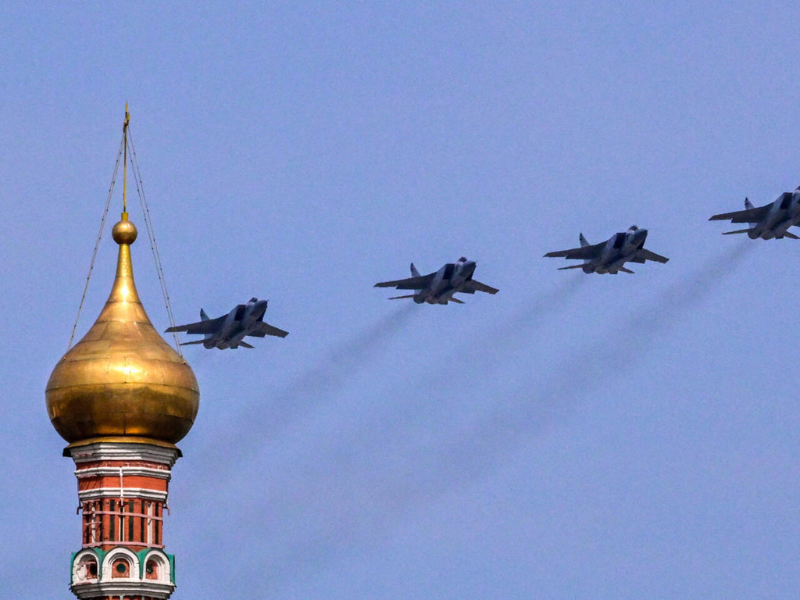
column 769, row 221
column 439, row 287
column 611, row 256
column 229, row 331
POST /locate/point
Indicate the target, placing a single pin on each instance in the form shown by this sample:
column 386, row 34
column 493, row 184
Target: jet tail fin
column 401, row 297
column 414, row 272
column 456, row 300
column 747, row 204
column 791, row 235
column 246, row 345
column 624, row 270
column 571, row 267
column 191, row 343
column 583, row 241
column 203, row 315
column 737, row 231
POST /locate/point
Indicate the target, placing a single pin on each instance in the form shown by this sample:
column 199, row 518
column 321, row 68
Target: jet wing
column 261, row 329
column 751, row 215
column 472, row 286
column 643, row 255
column 584, row 252
column 412, row 283
column 201, row 327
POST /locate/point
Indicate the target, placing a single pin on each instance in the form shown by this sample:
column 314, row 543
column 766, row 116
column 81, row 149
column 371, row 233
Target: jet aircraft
column 769, row 221
column 439, row 287
column 610, row 256
column 229, row 331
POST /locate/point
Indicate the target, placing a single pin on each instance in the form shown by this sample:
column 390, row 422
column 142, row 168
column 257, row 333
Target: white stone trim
column 126, row 471
column 124, row 451
column 124, row 587
column 126, row 493
column 79, row 578
column 135, row 567
column 164, row 573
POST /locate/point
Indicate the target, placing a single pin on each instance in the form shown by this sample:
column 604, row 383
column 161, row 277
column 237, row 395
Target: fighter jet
column 439, row 287
column 229, row 331
column 768, row 221
column 611, row 256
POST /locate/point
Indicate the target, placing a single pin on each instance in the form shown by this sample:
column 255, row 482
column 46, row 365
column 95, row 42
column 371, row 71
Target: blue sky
column 570, row 437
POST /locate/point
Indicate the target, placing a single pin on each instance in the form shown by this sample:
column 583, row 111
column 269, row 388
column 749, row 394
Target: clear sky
column 615, row 437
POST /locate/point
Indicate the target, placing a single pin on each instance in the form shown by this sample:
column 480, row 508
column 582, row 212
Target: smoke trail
column 310, row 389
column 507, row 334
column 534, row 311
column 315, row 499
column 335, row 368
column 357, row 491
column 682, row 296
column 471, row 453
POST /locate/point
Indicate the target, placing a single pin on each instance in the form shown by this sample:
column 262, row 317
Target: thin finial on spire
column 125, row 164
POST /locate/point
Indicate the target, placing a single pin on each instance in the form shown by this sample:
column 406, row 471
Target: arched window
column 120, row 563
column 151, row 569
column 120, row 568
column 85, row 570
column 157, row 567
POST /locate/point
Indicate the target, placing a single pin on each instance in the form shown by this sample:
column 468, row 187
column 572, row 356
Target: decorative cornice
column 126, row 472
column 124, row 451
column 139, row 493
column 154, row 589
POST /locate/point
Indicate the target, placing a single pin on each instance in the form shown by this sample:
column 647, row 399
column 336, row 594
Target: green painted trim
column 141, row 554
column 171, row 558
column 101, row 555
column 143, row 565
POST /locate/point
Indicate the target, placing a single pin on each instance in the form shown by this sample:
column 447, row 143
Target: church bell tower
column 122, row 397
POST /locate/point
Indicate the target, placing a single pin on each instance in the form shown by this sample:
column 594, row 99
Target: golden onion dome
column 122, row 378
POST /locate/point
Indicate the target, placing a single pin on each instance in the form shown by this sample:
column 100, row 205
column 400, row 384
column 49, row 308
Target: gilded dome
column 122, row 378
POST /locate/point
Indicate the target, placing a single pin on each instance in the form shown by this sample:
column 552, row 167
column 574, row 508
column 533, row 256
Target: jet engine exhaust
column 328, row 375
column 353, row 491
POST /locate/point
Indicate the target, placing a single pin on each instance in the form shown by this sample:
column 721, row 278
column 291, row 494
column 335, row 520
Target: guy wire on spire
column 125, row 164
column 97, row 243
column 148, row 222
column 123, row 153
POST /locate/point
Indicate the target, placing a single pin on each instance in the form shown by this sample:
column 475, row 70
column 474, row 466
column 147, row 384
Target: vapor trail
column 310, row 389
column 533, row 311
column 308, row 499
column 469, row 454
column 333, row 369
column 357, row 491
column 505, row 336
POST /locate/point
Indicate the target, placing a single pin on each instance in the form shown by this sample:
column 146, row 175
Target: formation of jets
column 771, row 221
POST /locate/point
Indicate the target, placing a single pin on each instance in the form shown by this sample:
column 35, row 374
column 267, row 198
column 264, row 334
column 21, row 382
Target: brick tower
column 122, row 398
